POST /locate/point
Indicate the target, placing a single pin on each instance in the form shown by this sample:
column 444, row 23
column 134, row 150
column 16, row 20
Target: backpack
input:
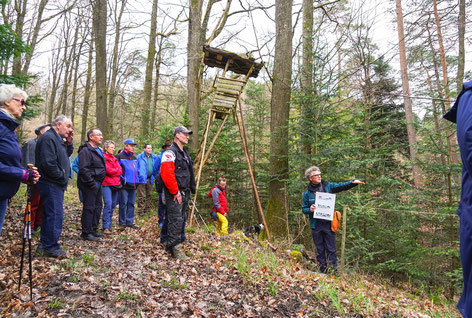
column 336, row 222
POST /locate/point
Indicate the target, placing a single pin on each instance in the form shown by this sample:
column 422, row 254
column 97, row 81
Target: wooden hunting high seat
column 227, row 92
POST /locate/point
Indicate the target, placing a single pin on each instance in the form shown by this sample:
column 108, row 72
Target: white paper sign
column 324, row 206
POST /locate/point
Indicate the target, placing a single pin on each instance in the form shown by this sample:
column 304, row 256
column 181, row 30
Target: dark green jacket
column 309, row 197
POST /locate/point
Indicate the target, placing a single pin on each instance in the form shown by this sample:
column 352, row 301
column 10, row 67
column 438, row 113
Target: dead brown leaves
column 129, row 274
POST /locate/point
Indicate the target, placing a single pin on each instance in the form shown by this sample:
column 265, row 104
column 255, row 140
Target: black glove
column 214, row 216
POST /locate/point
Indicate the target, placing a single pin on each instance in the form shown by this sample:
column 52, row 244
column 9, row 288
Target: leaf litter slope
column 129, row 274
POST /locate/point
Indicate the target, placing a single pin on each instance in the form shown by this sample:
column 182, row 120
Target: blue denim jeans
column 126, row 210
column 3, row 211
column 110, row 200
column 53, row 214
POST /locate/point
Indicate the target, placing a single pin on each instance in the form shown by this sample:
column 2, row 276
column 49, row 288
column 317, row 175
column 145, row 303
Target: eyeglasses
column 21, row 101
column 316, row 175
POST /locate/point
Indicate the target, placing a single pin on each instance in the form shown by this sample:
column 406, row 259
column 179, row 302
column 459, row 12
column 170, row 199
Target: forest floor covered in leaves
column 129, row 274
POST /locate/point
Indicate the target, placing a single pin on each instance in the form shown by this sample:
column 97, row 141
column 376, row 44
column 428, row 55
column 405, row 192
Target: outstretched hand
column 357, row 181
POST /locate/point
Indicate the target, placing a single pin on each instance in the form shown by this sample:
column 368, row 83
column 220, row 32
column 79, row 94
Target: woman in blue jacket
column 323, row 237
column 12, row 105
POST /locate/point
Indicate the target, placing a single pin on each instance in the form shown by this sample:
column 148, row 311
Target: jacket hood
column 451, row 115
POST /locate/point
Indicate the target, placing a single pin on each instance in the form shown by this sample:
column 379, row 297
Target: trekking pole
column 27, row 234
column 200, row 227
column 204, row 223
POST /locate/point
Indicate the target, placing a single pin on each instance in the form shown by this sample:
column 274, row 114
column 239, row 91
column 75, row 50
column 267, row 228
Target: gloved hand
column 214, row 215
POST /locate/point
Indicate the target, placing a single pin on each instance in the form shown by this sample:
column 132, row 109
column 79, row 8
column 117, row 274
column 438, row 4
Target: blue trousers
column 465, row 233
column 110, row 200
column 126, row 210
column 3, row 211
column 53, row 214
column 161, row 209
column 325, row 241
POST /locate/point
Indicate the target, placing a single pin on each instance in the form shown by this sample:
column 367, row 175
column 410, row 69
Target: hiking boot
column 89, row 237
column 59, row 253
column 98, row 234
column 179, row 253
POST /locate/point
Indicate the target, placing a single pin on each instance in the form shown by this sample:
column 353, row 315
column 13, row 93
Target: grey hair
column 9, row 91
column 310, row 170
column 60, row 119
column 108, row 143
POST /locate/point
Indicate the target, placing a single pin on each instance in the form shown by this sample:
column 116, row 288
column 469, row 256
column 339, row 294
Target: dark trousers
column 161, row 209
column 325, row 241
column 92, row 209
column 165, row 229
column 175, row 217
column 53, row 215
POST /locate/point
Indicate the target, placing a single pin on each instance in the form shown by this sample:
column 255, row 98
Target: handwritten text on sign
column 324, row 206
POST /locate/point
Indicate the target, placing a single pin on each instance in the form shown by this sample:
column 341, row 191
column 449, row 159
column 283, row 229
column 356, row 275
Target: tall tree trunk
column 156, row 87
column 34, row 39
column 146, row 112
column 20, row 8
column 100, row 31
column 114, row 67
column 307, row 98
column 461, row 65
column 280, row 106
column 76, row 77
column 194, row 51
column 88, row 85
column 410, row 121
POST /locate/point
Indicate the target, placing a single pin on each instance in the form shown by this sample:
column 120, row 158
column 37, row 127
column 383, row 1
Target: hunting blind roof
column 239, row 64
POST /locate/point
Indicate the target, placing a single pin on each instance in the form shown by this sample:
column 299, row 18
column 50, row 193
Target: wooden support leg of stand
column 205, row 137
column 214, row 139
column 242, row 134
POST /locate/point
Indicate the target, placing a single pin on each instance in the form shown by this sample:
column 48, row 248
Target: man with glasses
column 92, row 171
column 323, row 237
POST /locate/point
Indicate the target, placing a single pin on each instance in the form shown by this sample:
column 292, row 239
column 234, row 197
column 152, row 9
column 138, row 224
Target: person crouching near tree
column 323, row 236
column 220, row 206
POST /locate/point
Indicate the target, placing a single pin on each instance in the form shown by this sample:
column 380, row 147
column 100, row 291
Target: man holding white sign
column 318, row 204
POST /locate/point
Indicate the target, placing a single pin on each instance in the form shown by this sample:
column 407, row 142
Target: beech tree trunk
column 280, row 106
column 194, row 58
column 88, row 85
column 100, row 31
column 410, row 121
column 146, row 113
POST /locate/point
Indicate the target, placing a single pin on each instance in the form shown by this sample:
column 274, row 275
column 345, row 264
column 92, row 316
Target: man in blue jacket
column 146, row 178
column 129, row 179
column 461, row 113
column 52, row 159
column 323, row 237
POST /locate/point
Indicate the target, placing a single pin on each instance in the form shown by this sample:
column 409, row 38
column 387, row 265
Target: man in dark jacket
column 92, row 171
column 129, row 179
column 179, row 180
column 27, row 157
column 461, row 113
column 52, row 159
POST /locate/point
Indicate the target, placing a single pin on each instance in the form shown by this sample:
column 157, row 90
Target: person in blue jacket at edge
column 323, row 237
column 461, row 114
